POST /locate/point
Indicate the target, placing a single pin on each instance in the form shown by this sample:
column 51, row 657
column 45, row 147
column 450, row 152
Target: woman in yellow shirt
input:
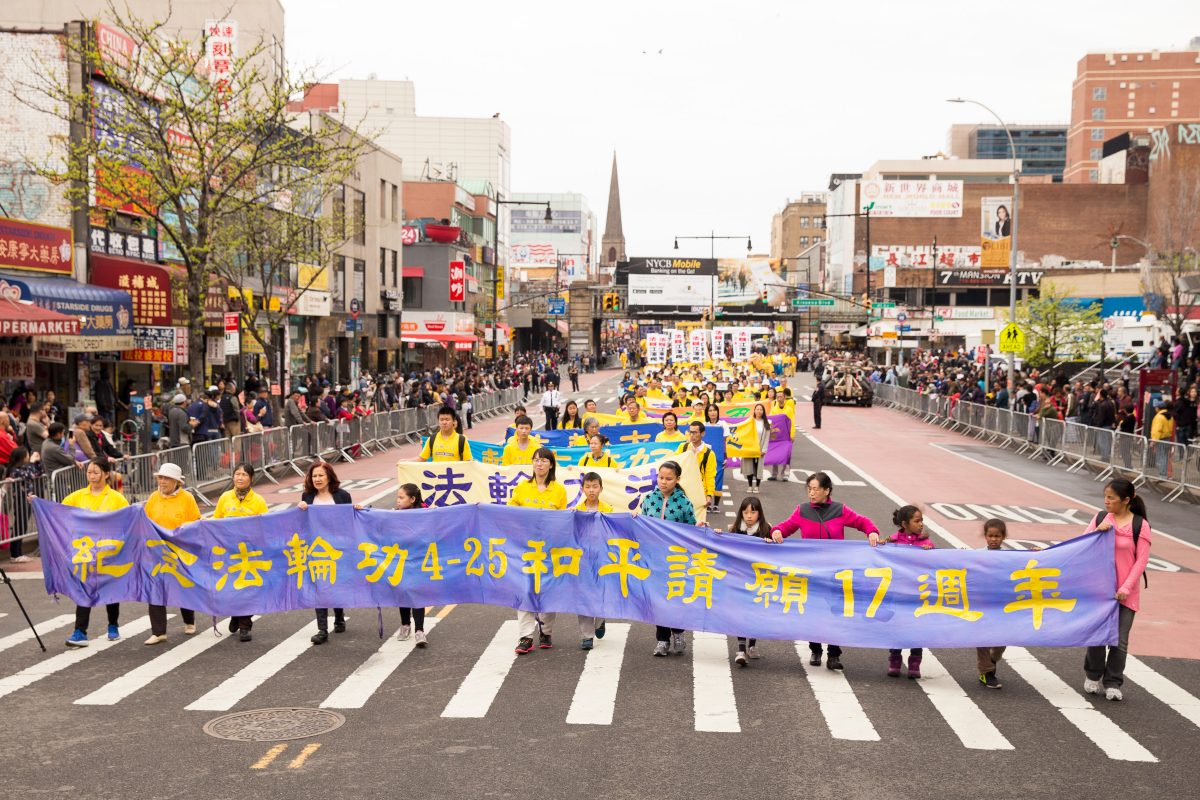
column 597, row 457
column 670, row 431
column 169, row 507
column 241, row 501
column 96, row 496
column 540, row 491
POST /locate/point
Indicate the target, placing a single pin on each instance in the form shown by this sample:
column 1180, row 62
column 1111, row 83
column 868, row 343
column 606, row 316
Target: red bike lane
column 933, row 469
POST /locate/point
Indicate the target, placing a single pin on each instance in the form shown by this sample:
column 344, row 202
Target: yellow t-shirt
column 625, row 418
column 445, row 448
column 605, row 460
column 515, row 455
column 671, row 436
column 171, row 512
column 229, row 505
column 528, row 495
column 605, row 508
column 108, row 500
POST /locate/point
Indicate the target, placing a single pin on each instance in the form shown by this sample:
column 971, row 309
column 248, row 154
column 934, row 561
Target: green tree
column 1058, row 329
column 201, row 147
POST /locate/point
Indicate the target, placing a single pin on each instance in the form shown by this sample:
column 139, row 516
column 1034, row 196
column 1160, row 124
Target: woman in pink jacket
column 821, row 518
column 1125, row 513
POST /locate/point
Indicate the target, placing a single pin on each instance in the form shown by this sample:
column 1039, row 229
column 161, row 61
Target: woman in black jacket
column 322, row 488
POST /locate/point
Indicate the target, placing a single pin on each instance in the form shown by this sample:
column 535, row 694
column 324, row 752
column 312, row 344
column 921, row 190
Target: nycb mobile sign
column 672, row 281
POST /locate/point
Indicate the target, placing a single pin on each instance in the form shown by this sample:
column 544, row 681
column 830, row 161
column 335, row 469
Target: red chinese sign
column 147, row 284
column 115, row 47
column 24, row 245
column 458, row 282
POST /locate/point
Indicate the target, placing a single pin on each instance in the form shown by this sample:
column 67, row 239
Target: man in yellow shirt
column 169, row 507
column 705, row 458
column 96, row 496
column 447, row 444
column 633, row 411
column 1162, row 430
column 520, row 448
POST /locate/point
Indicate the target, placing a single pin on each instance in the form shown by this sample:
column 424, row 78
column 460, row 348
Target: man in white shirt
column 550, row 402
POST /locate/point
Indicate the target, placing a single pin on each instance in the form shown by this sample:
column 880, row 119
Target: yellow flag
column 742, row 441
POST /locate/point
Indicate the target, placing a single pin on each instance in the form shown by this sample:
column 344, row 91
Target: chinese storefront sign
column 25, row 245
column 458, row 282
column 912, row 198
column 124, row 245
column 919, row 256
column 155, row 345
column 148, row 285
column 16, row 362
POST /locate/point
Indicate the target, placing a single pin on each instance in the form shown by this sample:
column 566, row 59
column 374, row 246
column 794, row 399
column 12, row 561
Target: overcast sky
column 746, row 105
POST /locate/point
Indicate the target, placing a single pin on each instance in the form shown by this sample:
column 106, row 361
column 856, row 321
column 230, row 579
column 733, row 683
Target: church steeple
column 612, row 245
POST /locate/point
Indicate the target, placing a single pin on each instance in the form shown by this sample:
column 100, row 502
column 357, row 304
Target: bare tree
column 1170, row 280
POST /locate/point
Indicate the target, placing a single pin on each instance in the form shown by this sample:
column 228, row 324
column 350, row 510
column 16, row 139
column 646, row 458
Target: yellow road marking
column 308, row 750
column 446, row 611
column 271, row 755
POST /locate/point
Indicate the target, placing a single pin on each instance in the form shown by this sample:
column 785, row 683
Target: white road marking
column 479, row 689
column 895, row 498
column 1106, row 734
column 1164, row 689
column 843, row 714
column 119, row 688
column 254, row 674
column 966, row 719
column 14, row 639
column 356, row 690
column 44, row 669
column 713, row 700
column 595, row 697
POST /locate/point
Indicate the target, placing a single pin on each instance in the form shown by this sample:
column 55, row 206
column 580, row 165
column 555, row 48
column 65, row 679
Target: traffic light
column 763, row 296
column 612, row 301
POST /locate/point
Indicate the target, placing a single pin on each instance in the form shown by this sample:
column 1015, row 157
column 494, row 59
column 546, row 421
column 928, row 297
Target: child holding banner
column 988, row 658
column 591, row 502
column 540, row 491
column 751, row 521
column 911, row 524
column 409, row 496
column 668, row 502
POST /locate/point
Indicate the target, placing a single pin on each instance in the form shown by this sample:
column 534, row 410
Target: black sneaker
column 244, row 636
column 544, row 641
column 320, row 637
column 815, row 659
column 525, row 645
column 833, row 662
column 989, row 680
column 339, row 627
column 233, row 625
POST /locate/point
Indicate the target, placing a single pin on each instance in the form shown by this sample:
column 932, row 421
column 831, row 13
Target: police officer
column 818, row 397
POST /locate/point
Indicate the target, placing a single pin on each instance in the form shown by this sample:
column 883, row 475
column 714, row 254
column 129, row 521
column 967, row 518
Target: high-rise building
column 799, row 226
column 1042, row 149
column 1128, row 92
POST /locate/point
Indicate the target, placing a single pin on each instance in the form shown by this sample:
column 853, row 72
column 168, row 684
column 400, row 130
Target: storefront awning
column 457, row 338
column 26, row 319
column 412, row 272
column 859, row 332
column 107, row 314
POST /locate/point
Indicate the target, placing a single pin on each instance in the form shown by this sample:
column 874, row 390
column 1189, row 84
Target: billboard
column 995, row 231
column 533, row 220
column 912, row 198
column 742, row 282
column 532, row 256
column 671, row 281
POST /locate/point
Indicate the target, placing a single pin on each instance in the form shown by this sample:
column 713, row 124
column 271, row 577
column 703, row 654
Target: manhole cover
column 274, row 724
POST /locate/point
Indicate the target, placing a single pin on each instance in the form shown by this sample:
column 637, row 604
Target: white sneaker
column 752, row 651
column 678, row 643
column 155, row 640
column 740, row 658
column 420, row 638
column 1113, row 693
column 1090, row 686
column 189, row 630
column 661, row 649
column 405, row 632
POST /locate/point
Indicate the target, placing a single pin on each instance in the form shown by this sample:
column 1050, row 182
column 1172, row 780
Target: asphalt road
column 463, row 719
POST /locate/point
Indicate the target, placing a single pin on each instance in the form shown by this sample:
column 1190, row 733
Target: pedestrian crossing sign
column 1012, row 339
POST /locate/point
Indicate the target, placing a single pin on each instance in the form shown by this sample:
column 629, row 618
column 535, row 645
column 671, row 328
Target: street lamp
column 712, row 253
column 1012, row 256
column 549, row 217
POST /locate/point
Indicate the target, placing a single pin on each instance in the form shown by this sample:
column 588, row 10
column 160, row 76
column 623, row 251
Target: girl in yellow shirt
column 169, row 507
column 540, row 491
column 241, row 501
column 96, row 496
column 597, row 457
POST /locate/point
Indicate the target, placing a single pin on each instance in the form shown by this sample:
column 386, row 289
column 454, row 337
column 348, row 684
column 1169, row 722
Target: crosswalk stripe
column 595, row 698
column 966, row 719
column 118, row 689
column 1106, row 734
column 713, row 700
column 1164, row 689
column 843, row 713
column 14, row 639
column 356, row 690
column 254, row 674
column 44, row 669
column 479, row 689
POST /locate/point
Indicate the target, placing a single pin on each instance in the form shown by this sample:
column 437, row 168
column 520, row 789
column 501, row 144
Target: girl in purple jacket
column 911, row 523
column 821, row 518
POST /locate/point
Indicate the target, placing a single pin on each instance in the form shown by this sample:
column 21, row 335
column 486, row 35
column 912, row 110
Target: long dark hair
column 712, row 405
column 413, row 491
column 739, row 526
column 570, row 420
column 547, row 453
column 334, row 483
column 1125, row 490
column 766, row 420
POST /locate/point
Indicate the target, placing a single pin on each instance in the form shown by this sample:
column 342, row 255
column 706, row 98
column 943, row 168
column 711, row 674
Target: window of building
column 1099, row 93
column 395, row 268
column 803, row 240
column 1097, row 113
column 358, row 216
column 1093, row 175
column 1152, row 109
column 337, row 293
column 381, row 326
column 383, row 265
column 395, row 203
column 804, row 222
column 383, row 193
column 1097, row 134
column 339, row 211
column 1096, row 153
column 412, row 292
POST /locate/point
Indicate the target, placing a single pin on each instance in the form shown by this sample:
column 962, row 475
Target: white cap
column 169, row 470
column 179, row 398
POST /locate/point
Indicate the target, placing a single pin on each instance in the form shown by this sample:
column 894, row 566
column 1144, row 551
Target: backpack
column 1137, row 532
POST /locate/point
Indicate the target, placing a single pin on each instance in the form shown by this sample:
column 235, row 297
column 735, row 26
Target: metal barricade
column 1050, row 439
column 350, row 439
column 65, row 480
column 276, row 451
column 302, row 445
column 182, row 457
column 16, row 508
column 1191, row 472
column 1097, row 449
column 136, row 474
column 1127, row 457
column 1021, row 430
column 1165, row 464
column 326, row 439
column 413, row 419
column 1073, row 446
column 213, row 462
